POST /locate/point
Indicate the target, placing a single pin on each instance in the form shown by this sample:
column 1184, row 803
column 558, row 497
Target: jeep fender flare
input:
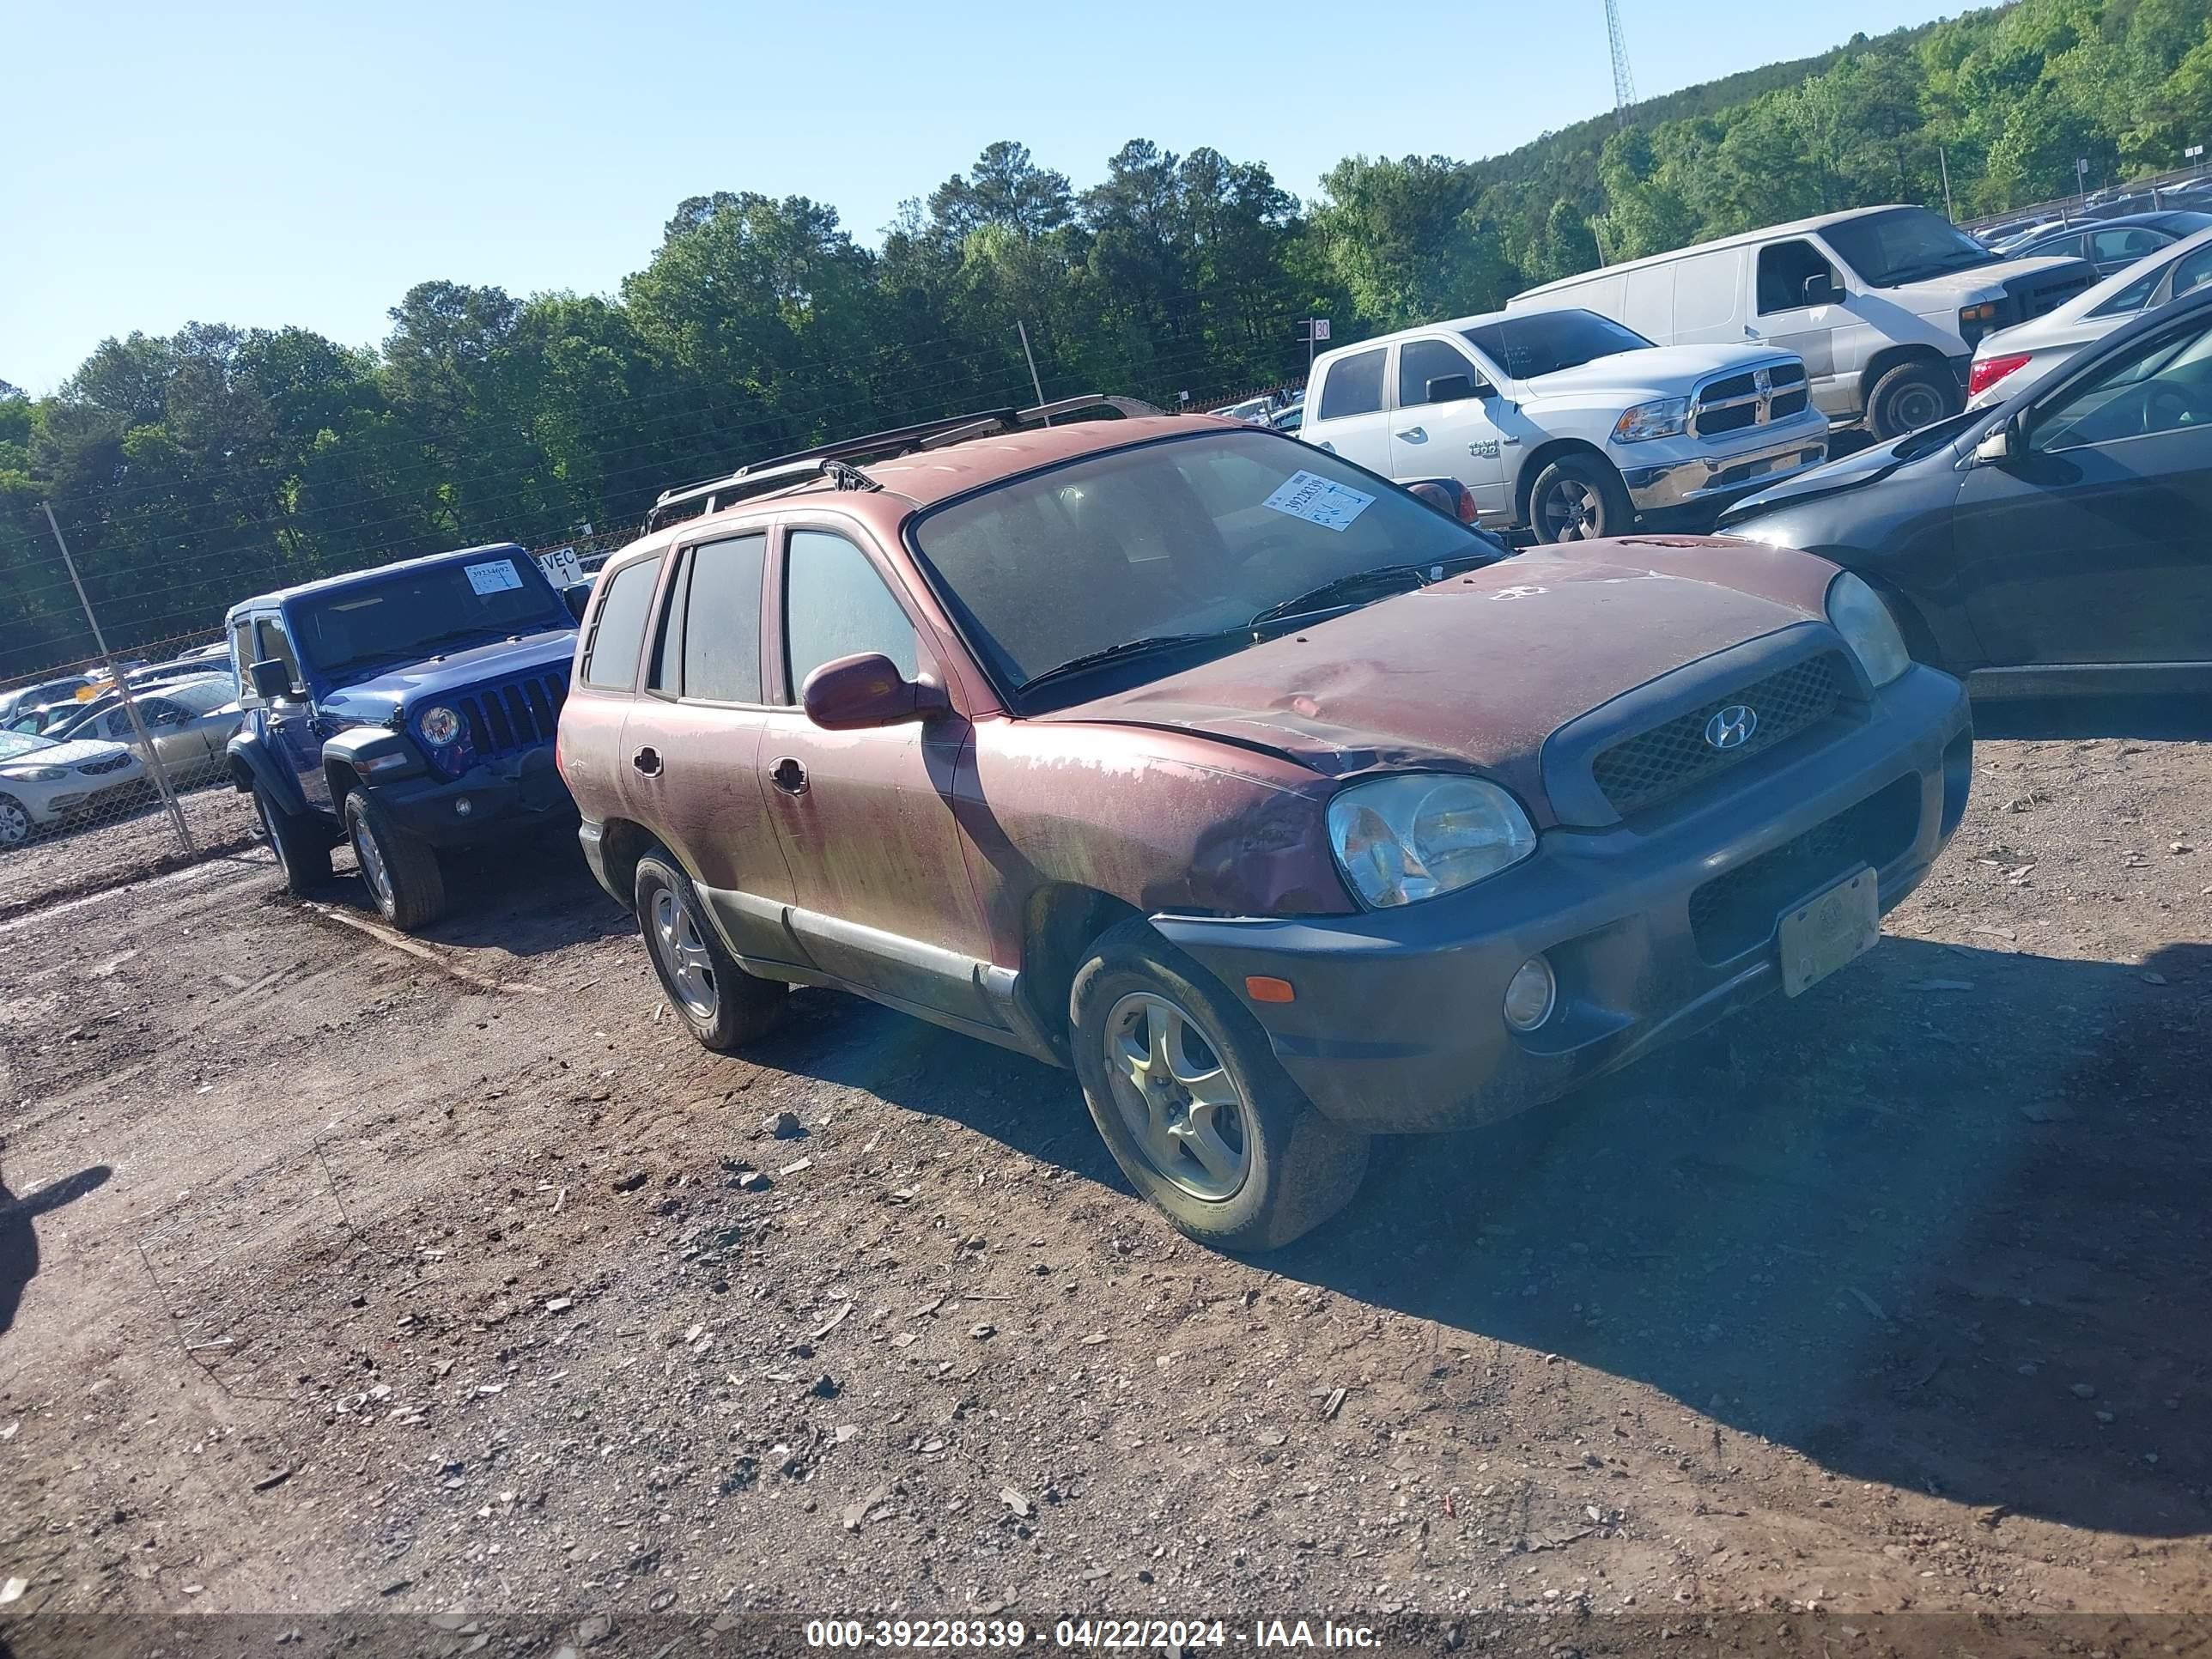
column 351, row 758
column 251, row 764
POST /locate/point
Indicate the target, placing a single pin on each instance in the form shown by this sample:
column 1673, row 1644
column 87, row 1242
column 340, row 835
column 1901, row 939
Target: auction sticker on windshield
column 493, row 577
column 1319, row 501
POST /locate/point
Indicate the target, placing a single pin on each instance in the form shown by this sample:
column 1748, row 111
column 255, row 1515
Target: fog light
column 462, row 806
column 1529, row 994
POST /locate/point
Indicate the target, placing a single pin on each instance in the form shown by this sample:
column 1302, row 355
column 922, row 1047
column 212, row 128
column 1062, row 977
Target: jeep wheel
column 1193, row 1105
column 1579, row 498
column 724, row 1005
column 15, row 826
column 1909, row 396
column 400, row 872
column 302, row 855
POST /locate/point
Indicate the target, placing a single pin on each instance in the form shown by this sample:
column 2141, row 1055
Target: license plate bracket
column 1836, row 925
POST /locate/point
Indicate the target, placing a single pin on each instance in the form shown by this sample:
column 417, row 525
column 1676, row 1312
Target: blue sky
column 307, row 163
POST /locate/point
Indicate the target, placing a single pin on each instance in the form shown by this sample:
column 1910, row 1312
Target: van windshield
column 1545, row 341
column 1904, row 245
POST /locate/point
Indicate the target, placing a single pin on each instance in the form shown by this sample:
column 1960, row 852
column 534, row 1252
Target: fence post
column 122, row 689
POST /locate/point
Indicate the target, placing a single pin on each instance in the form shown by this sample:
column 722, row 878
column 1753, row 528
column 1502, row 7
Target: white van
column 1884, row 304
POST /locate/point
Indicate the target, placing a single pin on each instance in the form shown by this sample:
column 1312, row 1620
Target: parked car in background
column 407, row 708
column 45, row 784
column 2112, row 244
column 1290, row 418
column 1885, row 305
column 2052, row 544
column 40, row 693
column 2003, row 239
column 1566, row 422
column 2007, row 360
column 1315, row 819
column 191, row 722
column 1253, row 410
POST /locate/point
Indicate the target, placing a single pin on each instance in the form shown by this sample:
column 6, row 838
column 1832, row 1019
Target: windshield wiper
column 1326, row 596
column 1137, row 648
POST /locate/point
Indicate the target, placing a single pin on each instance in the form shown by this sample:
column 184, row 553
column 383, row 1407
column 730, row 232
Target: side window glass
column 1421, row 361
column 668, row 675
column 272, row 644
column 1784, row 268
column 1354, row 385
column 836, row 606
column 2135, row 296
column 619, row 627
column 2162, row 384
column 2193, row 273
column 721, row 619
column 118, row 723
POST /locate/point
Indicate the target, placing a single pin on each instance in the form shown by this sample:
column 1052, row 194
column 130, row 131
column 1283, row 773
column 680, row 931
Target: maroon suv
column 1282, row 806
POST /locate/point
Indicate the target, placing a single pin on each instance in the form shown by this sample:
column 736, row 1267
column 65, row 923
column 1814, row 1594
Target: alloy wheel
column 1916, row 406
column 373, row 871
column 1569, row 512
column 1184, row 1110
column 15, row 822
column 684, row 955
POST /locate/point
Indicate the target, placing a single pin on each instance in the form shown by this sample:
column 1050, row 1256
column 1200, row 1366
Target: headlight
column 1668, row 418
column 438, row 725
column 1858, row 614
column 1420, row 833
column 33, row 773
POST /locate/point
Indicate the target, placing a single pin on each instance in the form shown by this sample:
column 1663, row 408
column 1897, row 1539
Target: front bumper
column 511, row 795
column 1709, row 480
column 1652, row 934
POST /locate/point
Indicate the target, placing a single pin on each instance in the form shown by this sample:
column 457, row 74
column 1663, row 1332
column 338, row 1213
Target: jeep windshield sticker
column 493, row 577
column 1317, row 500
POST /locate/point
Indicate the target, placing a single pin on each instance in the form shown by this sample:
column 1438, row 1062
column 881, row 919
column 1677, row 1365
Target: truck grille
column 2030, row 296
column 1736, row 403
column 1737, row 912
column 113, row 764
column 1653, row 766
column 522, row 713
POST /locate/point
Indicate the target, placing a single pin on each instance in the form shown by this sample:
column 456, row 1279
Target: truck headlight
column 1420, row 834
column 1670, row 417
column 438, row 725
column 33, row 773
column 1856, row 612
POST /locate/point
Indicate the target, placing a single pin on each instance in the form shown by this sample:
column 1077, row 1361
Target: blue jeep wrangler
column 405, row 709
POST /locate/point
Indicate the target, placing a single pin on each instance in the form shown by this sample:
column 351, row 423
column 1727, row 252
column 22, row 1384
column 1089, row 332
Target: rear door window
column 1354, row 385
column 721, row 620
column 618, row 639
column 836, row 605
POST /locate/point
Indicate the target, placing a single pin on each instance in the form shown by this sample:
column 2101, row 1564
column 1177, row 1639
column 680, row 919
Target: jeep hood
column 1474, row 672
column 1653, row 372
column 409, row 683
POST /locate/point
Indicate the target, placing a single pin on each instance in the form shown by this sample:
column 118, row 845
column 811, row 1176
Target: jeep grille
column 515, row 714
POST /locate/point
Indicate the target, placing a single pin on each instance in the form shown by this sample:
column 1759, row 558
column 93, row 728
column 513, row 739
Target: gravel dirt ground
column 340, row 1271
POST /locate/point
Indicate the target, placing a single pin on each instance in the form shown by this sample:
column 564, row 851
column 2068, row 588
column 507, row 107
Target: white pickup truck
column 1568, row 423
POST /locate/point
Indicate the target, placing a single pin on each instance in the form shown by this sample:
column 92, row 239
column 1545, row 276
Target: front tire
column 1579, row 497
column 400, row 872
column 1193, row 1105
column 725, row 1007
column 1909, row 396
column 15, row 825
column 302, row 856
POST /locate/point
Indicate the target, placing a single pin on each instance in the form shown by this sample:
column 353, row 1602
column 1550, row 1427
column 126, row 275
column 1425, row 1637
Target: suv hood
column 409, row 683
column 1661, row 371
column 1474, row 673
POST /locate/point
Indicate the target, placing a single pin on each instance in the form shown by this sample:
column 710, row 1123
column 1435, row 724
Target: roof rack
column 834, row 460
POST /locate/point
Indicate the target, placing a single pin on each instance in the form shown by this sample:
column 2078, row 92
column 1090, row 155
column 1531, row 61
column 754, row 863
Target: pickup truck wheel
column 725, row 1007
column 14, row 823
column 1909, row 396
column 302, row 856
column 400, row 872
column 1579, row 498
column 1193, row 1105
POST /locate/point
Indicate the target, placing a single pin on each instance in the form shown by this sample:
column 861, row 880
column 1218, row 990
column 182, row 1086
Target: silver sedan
column 2009, row 359
column 190, row 721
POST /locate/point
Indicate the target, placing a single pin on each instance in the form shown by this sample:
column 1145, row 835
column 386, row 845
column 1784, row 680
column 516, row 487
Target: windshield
column 1546, row 341
column 425, row 612
column 1189, row 536
column 1904, row 245
column 13, row 743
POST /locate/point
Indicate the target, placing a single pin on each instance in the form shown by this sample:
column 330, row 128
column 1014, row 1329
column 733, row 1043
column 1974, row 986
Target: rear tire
column 1579, row 497
column 1240, row 1161
column 725, row 1007
column 400, row 872
column 303, row 856
column 1911, row 396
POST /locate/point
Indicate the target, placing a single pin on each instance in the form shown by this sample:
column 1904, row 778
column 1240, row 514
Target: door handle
column 789, row 775
column 647, row 762
column 1413, row 435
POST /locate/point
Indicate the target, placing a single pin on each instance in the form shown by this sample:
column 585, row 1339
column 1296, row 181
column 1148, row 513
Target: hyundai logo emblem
column 1732, row 727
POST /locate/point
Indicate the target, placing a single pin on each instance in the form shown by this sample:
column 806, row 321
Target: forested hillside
column 193, row 469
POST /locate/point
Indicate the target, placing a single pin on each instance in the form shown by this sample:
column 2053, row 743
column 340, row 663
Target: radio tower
column 1624, row 83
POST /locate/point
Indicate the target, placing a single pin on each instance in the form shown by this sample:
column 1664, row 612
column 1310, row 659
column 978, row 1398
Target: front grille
column 113, row 764
column 1655, row 765
column 1737, row 912
column 2033, row 294
column 520, row 713
column 1737, row 403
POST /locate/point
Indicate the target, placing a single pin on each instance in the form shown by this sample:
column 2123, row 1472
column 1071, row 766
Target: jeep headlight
column 1420, row 834
column 1670, row 417
column 1856, row 612
column 438, row 725
column 33, row 773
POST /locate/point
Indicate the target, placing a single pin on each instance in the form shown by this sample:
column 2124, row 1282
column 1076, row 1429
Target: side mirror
column 271, row 681
column 854, row 693
column 576, row 596
column 1821, row 290
column 1451, row 388
column 1997, row 448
